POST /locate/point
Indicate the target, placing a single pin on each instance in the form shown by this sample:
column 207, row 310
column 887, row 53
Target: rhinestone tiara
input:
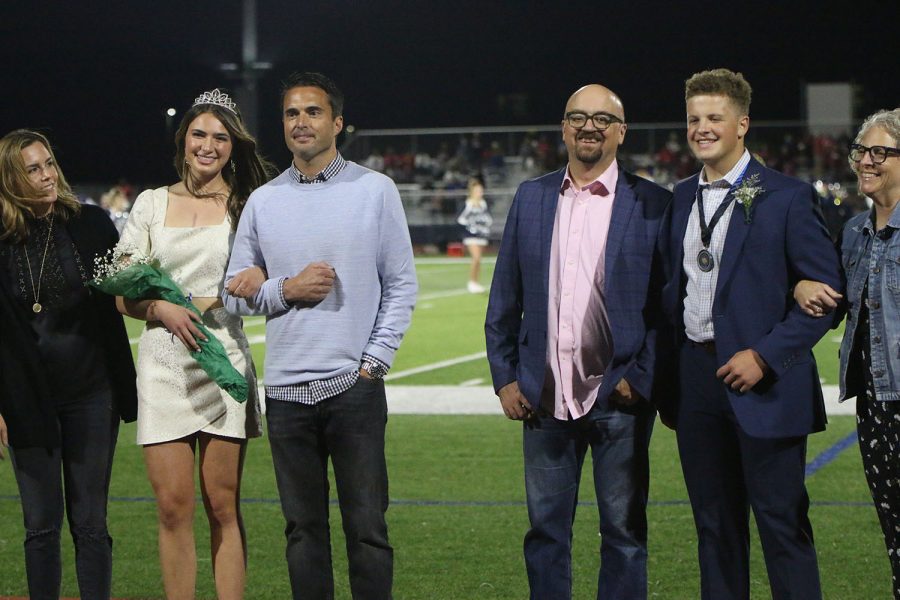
column 218, row 98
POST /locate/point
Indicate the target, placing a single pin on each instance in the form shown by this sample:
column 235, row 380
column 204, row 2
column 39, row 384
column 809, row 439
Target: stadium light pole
column 250, row 70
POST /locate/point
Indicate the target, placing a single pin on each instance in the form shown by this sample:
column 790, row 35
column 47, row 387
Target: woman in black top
column 66, row 374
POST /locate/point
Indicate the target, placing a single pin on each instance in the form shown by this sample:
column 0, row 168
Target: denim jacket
column 876, row 257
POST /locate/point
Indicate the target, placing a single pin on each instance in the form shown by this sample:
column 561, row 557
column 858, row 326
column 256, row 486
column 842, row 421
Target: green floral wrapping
column 142, row 281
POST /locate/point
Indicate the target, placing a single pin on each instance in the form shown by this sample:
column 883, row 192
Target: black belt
column 709, row 347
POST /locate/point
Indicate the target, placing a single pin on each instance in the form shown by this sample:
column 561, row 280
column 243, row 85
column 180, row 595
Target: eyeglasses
column 601, row 120
column 879, row 154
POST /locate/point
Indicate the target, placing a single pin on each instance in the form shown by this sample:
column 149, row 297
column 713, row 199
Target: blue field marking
column 811, row 468
column 453, row 503
column 830, row 454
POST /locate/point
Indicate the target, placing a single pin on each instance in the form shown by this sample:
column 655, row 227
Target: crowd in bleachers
column 445, row 167
column 811, row 157
column 807, row 156
column 433, row 180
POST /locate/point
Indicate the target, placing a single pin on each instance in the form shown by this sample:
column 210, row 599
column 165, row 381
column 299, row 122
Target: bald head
column 593, row 128
column 600, row 97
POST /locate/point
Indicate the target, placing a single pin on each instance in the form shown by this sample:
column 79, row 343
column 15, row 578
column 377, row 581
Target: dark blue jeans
column 89, row 428
column 349, row 428
column 554, row 454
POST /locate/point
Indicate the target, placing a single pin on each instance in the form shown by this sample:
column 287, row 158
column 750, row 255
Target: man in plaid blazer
column 570, row 344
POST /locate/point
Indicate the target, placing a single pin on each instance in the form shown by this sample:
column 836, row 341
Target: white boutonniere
column 746, row 192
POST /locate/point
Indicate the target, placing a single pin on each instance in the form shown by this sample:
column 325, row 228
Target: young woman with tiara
column 182, row 414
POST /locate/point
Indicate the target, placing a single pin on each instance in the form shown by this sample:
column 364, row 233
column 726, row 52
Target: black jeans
column 350, row 429
column 89, row 428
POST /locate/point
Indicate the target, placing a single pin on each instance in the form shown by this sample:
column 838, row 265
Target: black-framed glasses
column 879, row 154
column 601, row 120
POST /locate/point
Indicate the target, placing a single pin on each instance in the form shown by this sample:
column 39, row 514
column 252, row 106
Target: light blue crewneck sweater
column 354, row 222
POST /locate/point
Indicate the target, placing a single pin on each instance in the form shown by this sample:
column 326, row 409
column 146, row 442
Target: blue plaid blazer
column 516, row 323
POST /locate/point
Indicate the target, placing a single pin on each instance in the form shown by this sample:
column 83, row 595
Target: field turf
column 457, row 513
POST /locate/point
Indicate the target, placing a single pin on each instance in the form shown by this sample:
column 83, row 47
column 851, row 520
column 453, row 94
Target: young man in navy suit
column 569, row 341
column 746, row 388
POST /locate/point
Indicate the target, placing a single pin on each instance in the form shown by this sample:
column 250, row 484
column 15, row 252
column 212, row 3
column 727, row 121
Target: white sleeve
column 136, row 234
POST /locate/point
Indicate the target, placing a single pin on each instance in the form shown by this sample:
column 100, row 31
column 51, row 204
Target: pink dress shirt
column 579, row 341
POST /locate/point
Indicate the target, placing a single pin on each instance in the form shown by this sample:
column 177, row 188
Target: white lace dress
column 176, row 397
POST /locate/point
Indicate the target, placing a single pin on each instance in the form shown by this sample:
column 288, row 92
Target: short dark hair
column 311, row 79
column 720, row 82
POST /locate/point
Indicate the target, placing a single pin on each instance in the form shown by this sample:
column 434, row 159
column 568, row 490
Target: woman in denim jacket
column 870, row 350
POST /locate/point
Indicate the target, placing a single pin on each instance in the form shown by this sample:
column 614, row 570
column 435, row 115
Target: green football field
column 457, row 513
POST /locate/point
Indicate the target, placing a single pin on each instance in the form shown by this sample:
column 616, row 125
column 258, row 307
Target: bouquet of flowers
column 124, row 272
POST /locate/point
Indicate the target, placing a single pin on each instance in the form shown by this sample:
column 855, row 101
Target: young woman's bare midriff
column 204, row 304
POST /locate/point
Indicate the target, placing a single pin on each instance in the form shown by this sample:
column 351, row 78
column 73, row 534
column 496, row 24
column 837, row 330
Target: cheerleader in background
column 477, row 221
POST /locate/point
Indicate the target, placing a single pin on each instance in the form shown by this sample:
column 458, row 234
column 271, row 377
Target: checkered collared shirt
column 701, row 287
column 333, row 168
column 313, row 392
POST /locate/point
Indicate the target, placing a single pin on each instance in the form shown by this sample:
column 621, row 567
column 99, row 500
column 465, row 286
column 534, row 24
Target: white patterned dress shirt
column 701, row 287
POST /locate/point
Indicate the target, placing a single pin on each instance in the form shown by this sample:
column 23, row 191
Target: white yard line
column 439, row 295
column 447, row 260
column 435, row 366
column 259, row 339
column 436, row 271
column 480, row 399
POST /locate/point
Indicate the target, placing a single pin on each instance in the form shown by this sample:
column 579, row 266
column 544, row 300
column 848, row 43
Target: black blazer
column 25, row 400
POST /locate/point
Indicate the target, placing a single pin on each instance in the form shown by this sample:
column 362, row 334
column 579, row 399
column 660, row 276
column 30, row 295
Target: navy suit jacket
column 516, row 324
column 753, row 305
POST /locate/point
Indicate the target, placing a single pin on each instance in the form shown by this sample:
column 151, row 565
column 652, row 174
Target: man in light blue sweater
column 340, row 289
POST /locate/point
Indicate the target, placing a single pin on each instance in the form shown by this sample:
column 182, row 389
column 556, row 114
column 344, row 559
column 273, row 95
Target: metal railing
column 431, row 165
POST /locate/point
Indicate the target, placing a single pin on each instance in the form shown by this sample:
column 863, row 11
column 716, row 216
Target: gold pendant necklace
column 36, row 307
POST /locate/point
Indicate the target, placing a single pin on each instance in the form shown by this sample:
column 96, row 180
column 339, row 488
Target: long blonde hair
column 17, row 193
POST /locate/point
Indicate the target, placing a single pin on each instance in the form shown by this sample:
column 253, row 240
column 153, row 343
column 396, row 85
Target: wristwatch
column 374, row 368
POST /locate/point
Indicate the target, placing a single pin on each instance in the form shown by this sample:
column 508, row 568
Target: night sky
column 98, row 76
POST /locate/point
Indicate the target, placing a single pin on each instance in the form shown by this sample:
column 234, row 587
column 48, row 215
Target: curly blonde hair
column 720, row 82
